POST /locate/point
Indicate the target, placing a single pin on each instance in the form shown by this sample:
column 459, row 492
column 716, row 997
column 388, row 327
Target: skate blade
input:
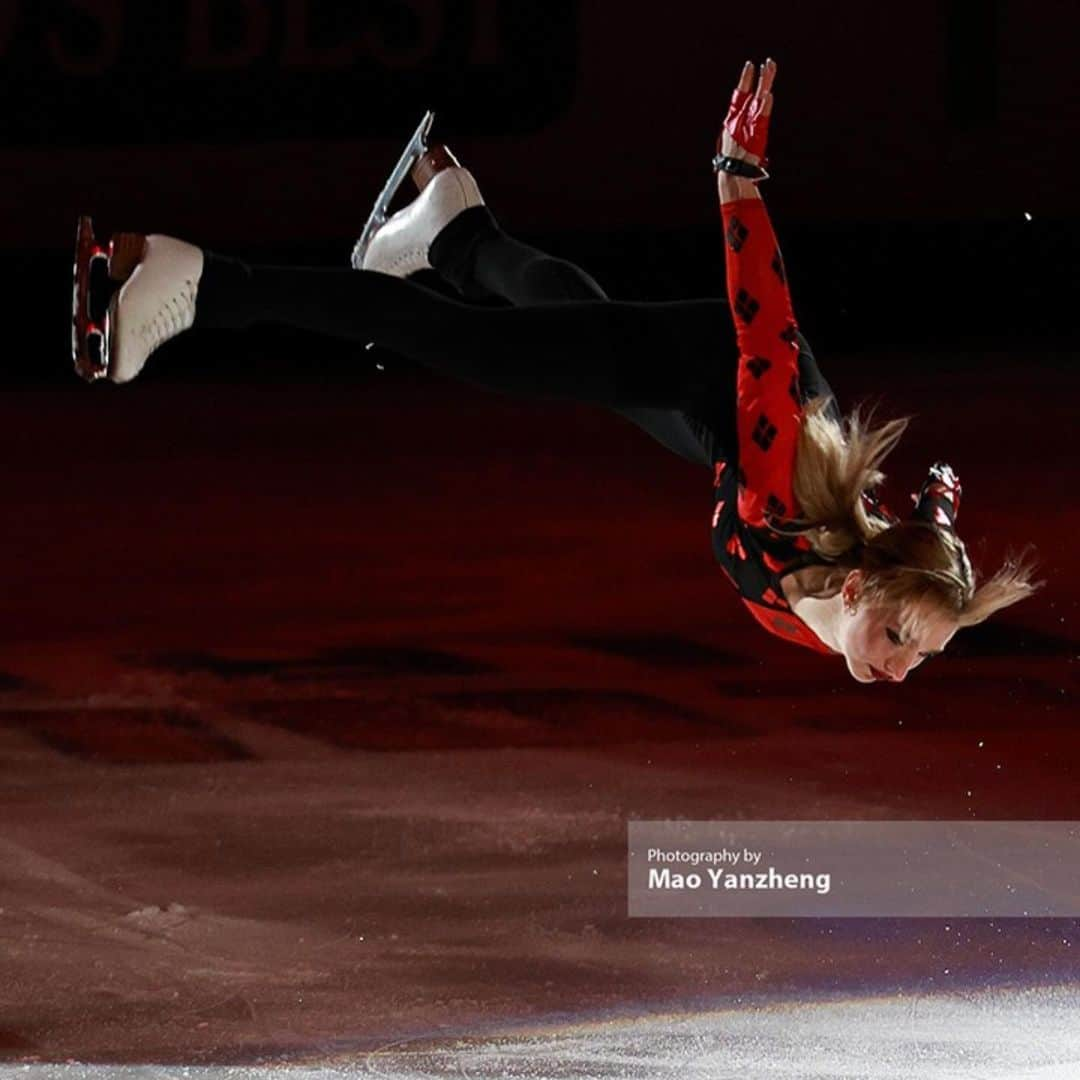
column 98, row 272
column 414, row 150
column 89, row 329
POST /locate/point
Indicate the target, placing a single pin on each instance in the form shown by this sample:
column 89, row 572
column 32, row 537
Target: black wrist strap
column 738, row 167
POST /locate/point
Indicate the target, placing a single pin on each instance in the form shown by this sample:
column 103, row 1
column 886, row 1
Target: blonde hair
column 837, row 465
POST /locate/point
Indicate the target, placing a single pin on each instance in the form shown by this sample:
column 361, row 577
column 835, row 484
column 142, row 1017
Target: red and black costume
column 756, row 509
column 754, row 491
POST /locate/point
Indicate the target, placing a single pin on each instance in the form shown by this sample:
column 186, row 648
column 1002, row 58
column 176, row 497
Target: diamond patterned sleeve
column 767, row 390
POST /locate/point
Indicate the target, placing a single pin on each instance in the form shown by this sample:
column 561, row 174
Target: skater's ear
column 852, row 588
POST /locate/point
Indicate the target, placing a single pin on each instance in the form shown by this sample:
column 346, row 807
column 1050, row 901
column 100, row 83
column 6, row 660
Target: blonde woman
column 795, row 527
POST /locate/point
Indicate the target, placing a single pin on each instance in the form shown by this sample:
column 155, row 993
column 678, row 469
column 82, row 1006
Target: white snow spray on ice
column 1031, row 1034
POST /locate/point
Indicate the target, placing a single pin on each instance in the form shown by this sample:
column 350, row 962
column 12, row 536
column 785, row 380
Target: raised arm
column 767, row 391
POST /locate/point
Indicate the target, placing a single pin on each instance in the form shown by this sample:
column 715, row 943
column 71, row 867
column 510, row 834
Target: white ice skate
column 155, row 302
column 399, row 245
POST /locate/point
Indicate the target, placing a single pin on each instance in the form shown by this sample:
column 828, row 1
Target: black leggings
column 668, row 367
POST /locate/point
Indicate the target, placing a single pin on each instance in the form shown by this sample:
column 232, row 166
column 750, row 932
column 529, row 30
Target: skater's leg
column 449, row 229
column 667, row 356
column 476, row 256
column 479, row 258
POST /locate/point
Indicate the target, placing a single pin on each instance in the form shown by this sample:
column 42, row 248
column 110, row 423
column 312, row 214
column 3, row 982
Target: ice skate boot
column 415, row 147
column 399, row 245
column 129, row 299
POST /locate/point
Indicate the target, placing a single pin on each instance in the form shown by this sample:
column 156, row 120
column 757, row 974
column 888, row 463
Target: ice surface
column 337, row 748
column 1016, row 1034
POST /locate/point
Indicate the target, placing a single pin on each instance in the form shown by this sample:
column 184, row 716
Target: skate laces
column 175, row 314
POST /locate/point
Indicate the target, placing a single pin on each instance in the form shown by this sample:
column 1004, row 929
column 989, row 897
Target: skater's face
column 884, row 642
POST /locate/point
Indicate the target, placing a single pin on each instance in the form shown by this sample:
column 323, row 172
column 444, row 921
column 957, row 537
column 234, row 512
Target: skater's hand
column 746, row 128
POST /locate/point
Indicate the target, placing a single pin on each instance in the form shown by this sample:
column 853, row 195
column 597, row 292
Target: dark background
column 908, row 143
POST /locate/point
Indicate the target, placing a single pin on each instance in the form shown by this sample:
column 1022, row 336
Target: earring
column 850, row 606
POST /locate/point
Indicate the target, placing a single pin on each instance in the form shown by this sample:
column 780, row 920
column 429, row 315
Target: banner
column 115, row 72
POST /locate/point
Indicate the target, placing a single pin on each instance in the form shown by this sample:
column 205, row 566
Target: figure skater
column 796, row 526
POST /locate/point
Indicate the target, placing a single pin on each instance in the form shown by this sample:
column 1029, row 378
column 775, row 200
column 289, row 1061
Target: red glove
column 747, row 121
